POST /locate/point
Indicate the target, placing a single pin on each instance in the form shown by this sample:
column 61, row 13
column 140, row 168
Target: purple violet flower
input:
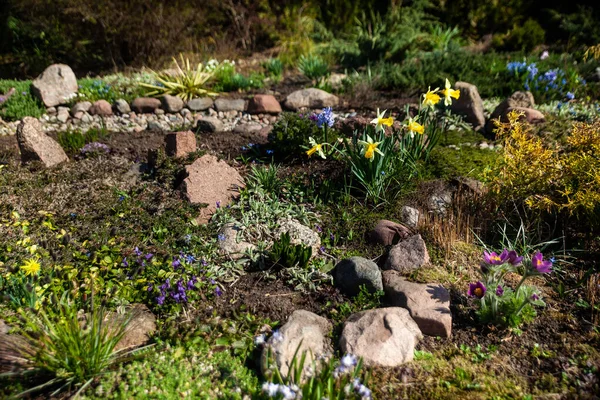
column 476, row 290
column 540, row 265
column 221, row 237
column 160, row 299
column 137, row 252
column 218, row 291
column 176, row 263
column 535, row 297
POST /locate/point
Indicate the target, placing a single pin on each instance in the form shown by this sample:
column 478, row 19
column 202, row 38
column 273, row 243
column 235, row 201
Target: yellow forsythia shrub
column 545, row 178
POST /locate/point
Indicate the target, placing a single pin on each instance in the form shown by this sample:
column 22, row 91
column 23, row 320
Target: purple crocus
column 540, row 265
column 476, row 290
column 499, row 291
column 495, row 259
column 513, row 258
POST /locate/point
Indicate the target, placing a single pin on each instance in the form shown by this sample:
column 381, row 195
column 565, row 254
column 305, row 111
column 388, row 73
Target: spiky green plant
column 187, row 83
column 64, row 349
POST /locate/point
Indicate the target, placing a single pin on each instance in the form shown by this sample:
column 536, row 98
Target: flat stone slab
column 211, row 181
column 428, row 303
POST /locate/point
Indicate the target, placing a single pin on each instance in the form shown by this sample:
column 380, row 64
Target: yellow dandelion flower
column 31, row 267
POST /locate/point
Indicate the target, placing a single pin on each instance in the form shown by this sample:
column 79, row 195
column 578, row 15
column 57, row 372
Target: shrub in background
column 544, row 178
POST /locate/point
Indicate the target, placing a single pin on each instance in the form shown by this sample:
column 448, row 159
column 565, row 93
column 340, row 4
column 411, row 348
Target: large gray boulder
column 428, row 303
column 469, row 105
column 304, row 333
column 56, row 85
column 310, row 98
column 350, row 274
column 383, row 337
column 35, row 145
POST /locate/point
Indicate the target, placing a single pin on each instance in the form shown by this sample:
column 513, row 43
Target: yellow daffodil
column 316, row 148
column 31, row 267
column 414, row 127
column 379, row 122
column 370, row 148
column 448, row 93
column 431, row 98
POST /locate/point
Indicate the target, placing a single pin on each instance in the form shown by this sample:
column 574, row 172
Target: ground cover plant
column 459, row 250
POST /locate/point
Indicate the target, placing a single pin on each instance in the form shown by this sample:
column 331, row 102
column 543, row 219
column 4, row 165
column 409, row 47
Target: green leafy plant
column 226, row 79
column 364, row 300
column 22, row 103
column 288, row 255
column 73, row 140
column 186, row 83
column 266, row 178
column 290, row 134
column 72, row 353
column 314, row 68
column 274, row 69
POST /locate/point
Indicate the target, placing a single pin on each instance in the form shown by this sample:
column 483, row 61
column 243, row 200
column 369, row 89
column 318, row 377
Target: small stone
column 212, row 112
column 35, row 145
column 52, row 110
column 264, row 103
column 86, row 118
column 172, row 104
column 159, row 111
column 410, row 216
column 81, row 106
column 209, row 124
column 56, row 85
column 141, row 326
column 304, row 333
column 408, row 255
column 232, row 244
column 101, row 108
column 78, row 115
column 223, row 104
column 310, row 98
column 200, row 104
column 388, row 232
column 428, row 303
column 352, row 273
column 383, row 337
column 180, row 144
column 155, row 126
column 145, row 105
column 122, row 106
column 63, row 114
column 247, row 128
column 300, row 234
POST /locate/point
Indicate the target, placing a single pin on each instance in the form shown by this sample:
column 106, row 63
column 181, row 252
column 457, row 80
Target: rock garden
column 331, row 220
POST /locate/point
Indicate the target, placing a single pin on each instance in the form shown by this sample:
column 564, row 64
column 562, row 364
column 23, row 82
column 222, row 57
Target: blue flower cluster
column 551, row 84
column 95, row 148
column 325, row 118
